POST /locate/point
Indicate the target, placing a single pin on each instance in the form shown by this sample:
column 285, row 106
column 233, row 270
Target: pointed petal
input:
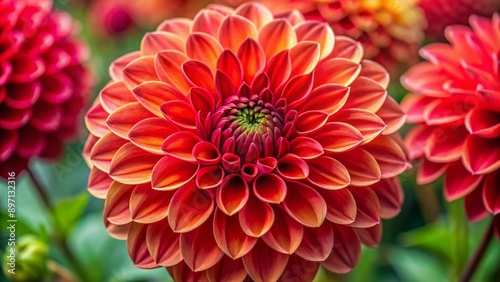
column 206, row 153
column 181, row 145
column 304, row 57
column 483, row 122
column 270, row 188
column 105, row 148
column 199, row 249
column 157, row 41
column 390, row 195
column 368, row 207
column 163, row 244
column 170, row 173
column 491, row 193
column 374, row 70
column 369, row 125
column 99, row 183
column 95, row 120
column 297, row 89
column 230, row 237
column 285, row 235
column 371, row 236
column 430, row 171
column 392, row 115
column 139, row 70
column 445, row 144
column 292, row 167
column 137, row 247
column 348, row 48
column 310, row 121
column 328, row 173
column 234, row 30
column 179, row 26
column 149, row 134
column 320, row 33
column 389, row 155
column 362, row 173
column 458, row 182
column 264, row 264
column 125, row 117
column 328, row 98
column 227, row 270
column 148, row 205
column 346, row 250
column 278, row 69
column 338, row 137
column 276, row 36
column 481, row 155
column 256, row 217
column 116, row 206
column 341, row 206
column 132, row 165
column 257, row 13
column 231, row 66
column 414, row 106
column 207, row 21
column 416, row 140
column 306, row 148
column 252, row 59
column 474, row 205
column 232, row 195
column 298, row 269
column 117, row 66
column 204, row 48
column 168, row 67
column 209, row 177
column 336, row 71
column 317, row 243
column 189, row 208
column 153, row 94
column 305, row 204
column 181, row 113
column 182, row 272
column 115, row 95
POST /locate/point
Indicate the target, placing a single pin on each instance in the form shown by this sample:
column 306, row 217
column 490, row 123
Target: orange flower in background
column 391, row 30
column 441, row 13
column 42, row 82
column 240, row 145
column 455, row 101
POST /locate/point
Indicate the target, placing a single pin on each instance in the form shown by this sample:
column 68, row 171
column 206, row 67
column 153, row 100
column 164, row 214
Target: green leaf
column 68, row 211
column 416, row 266
column 434, row 238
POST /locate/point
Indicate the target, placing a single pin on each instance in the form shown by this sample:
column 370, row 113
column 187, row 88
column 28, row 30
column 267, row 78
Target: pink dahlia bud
column 441, row 13
column 110, row 18
column 242, row 145
column 42, row 81
column 391, row 31
column 455, row 101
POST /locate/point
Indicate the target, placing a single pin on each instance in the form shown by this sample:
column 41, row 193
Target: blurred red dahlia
column 441, row 13
column 238, row 144
column 455, row 101
column 42, row 81
column 391, row 30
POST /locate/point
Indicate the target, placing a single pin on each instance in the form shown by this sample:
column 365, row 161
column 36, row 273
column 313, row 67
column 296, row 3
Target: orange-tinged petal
column 179, row 26
column 366, row 94
column 390, row 195
column 448, row 111
column 364, row 172
column 328, row 173
column 278, row 69
column 305, row 204
column 297, row 89
column 115, row 95
column 182, row 272
column 317, row 243
column 150, row 133
column 256, row 217
column 292, row 167
column 317, row 32
column 392, row 115
column 99, row 182
column 389, row 155
column 168, row 67
column 306, row 148
column 347, row 48
column 199, row 249
column 270, row 188
column 117, row 66
column 153, row 94
column 209, row 177
column 346, row 250
column 276, row 36
column 116, row 206
column 227, row 270
column 414, row 106
column 204, row 48
column 252, row 58
column 232, row 195
column 125, row 117
column 369, row 125
column 154, row 42
column 189, row 208
column 328, row 98
column 371, row 236
column 207, row 21
column 310, row 121
column 375, row 71
column 170, row 173
column 368, row 207
column 230, row 65
column 285, row 235
column 264, row 263
column 132, row 165
column 201, row 100
column 104, row 150
column 304, row 57
column 481, row 155
column 230, row 236
column 234, row 30
column 199, row 74
column 338, row 137
column 137, row 247
column 430, row 171
column 181, row 145
column 95, row 120
column 119, row 232
column 341, row 206
column 257, row 13
column 148, row 205
column 458, row 182
column 181, row 113
column 139, row 70
column 336, row 70
column 163, row 244
column 299, row 268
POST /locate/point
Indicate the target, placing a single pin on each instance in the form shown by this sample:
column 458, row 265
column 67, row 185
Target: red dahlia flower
column 455, row 101
column 441, row 13
column 238, row 144
column 42, row 81
column 391, row 31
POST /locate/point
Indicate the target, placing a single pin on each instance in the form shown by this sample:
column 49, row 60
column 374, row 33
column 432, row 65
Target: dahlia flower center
column 248, row 125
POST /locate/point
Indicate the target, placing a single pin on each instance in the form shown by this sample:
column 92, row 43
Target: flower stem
column 459, row 229
column 479, row 254
column 60, row 240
